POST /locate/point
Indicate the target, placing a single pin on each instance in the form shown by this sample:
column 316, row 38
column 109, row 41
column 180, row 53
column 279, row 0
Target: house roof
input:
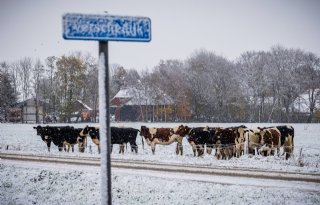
column 33, row 99
column 84, row 105
column 132, row 96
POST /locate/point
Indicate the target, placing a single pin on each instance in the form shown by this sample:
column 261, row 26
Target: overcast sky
column 179, row 27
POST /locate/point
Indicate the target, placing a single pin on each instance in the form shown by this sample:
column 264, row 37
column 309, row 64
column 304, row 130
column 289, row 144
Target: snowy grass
column 54, row 186
column 23, row 138
column 41, row 184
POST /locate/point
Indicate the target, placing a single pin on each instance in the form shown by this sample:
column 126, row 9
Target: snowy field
column 38, row 184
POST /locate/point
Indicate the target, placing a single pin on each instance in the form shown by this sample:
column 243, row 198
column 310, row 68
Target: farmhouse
column 33, row 111
column 28, row 111
column 139, row 105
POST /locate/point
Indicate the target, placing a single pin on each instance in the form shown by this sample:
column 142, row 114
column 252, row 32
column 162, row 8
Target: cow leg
column 49, row 145
column 99, row 151
column 202, row 149
column 218, row 153
column 198, row 150
column 287, row 152
column 209, row 149
column 153, row 147
column 194, row 148
column 181, row 149
column 121, row 148
column 269, row 152
column 225, row 153
column 111, row 148
column 238, row 150
column 277, row 151
column 124, row 145
column 134, row 147
column 232, row 151
column 177, row 149
column 72, row 148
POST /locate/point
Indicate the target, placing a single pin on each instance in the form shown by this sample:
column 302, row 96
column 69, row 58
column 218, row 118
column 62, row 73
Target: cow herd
column 226, row 142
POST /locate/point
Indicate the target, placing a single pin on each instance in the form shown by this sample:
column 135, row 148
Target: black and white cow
column 43, row 132
column 70, row 136
column 199, row 137
column 120, row 136
column 63, row 137
column 287, row 139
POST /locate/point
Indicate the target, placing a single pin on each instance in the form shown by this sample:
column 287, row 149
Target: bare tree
column 51, row 91
column 283, row 64
column 25, row 70
column 38, row 72
column 90, row 94
column 309, row 78
column 255, row 83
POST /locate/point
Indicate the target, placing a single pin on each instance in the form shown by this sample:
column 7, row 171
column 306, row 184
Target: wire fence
column 308, row 150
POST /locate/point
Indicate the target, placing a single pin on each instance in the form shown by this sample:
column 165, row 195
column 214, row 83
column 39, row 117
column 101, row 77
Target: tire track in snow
column 172, row 168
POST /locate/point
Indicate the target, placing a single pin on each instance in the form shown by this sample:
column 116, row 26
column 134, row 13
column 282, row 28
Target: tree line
column 259, row 86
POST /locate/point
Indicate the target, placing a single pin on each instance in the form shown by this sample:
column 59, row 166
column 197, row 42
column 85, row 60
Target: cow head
column 82, row 142
column 217, row 135
column 39, row 129
column 85, row 130
column 265, row 135
column 145, row 132
column 182, row 130
column 94, row 133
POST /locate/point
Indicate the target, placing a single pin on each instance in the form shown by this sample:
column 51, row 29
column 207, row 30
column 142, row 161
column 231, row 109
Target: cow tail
column 142, row 142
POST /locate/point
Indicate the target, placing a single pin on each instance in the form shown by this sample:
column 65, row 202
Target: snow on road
column 44, row 183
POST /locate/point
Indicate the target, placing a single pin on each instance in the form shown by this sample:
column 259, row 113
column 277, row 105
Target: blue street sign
column 106, row 27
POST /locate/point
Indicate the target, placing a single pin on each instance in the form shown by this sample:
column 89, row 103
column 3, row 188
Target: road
column 248, row 177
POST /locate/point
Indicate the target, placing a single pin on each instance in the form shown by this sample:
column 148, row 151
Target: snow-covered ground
column 22, row 184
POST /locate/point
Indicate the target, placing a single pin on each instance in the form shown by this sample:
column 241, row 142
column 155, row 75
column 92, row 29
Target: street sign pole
column 105, row 28
column 105, row 124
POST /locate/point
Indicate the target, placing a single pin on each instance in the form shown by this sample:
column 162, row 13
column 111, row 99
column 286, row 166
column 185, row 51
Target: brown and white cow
column 270, row 141
column 164, row 136
column 252, row 140
column 283, row 136
column 229, row 141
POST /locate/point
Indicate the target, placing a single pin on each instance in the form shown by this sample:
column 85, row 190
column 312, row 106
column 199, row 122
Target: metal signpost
column 104, row 28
